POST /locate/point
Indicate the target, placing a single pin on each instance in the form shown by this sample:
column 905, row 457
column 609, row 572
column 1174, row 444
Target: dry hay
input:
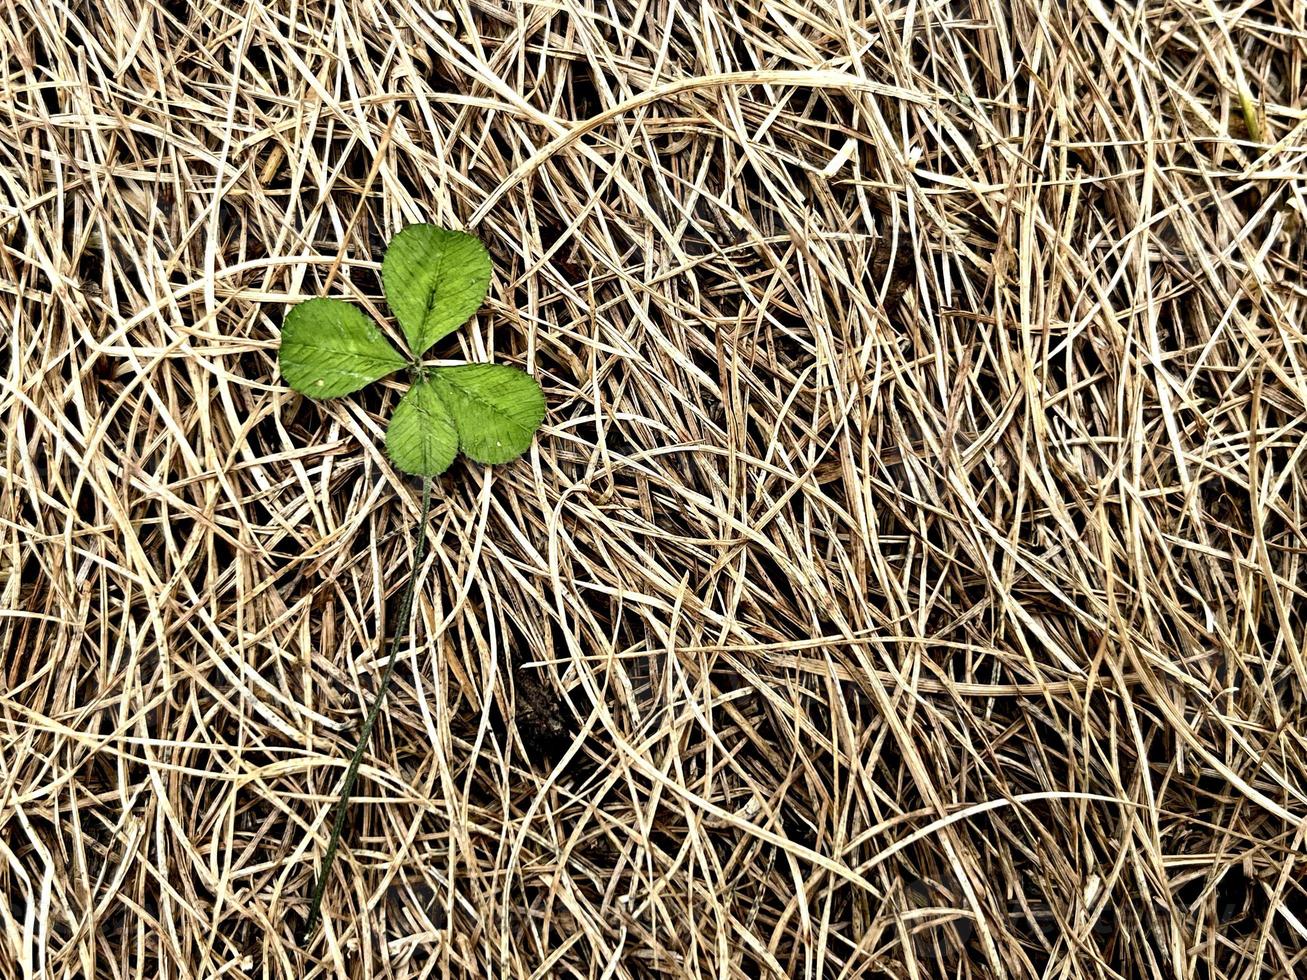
column 908, row 582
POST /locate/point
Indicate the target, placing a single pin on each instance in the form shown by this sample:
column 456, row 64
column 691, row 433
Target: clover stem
column 351, row 774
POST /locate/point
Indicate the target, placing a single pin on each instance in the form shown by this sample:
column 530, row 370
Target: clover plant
column 434, row 281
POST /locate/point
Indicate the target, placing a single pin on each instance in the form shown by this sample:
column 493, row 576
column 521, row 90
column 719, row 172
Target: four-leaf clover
column 434, row 281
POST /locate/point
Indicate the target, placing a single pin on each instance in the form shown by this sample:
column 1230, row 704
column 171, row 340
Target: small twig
column 351, row 774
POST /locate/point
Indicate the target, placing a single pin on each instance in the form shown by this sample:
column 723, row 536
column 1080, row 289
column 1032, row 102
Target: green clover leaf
column 496, row 409
column 421, row 438
column 329, row 348
column 434, row 280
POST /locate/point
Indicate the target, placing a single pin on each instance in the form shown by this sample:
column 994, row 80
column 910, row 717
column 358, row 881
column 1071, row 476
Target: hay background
column 908, row 582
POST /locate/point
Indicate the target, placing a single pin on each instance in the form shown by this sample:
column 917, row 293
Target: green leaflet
column 421, row 438
column 496, row 408
column 331, row 348
column 434, row 281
